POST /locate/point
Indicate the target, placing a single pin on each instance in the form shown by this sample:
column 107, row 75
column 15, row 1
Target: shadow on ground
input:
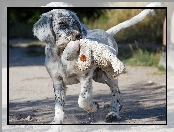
column 141, row 105
column 26, row 53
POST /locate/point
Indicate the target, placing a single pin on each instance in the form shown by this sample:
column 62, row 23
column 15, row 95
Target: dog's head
column 59, row 26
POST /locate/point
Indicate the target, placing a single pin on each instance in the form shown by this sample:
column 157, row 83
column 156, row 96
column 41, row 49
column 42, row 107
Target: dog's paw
column 57, row 121
column 88, row 105
column 92, row 108
column 112, row 116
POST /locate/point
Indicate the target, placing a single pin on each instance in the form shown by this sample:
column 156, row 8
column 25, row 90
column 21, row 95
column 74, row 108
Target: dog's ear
column 81, row 26
column 42, row 29
column 84, row 30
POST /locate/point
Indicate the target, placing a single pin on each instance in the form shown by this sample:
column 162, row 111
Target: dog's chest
column 69, row 71
column 56, row 64
column 68, row 66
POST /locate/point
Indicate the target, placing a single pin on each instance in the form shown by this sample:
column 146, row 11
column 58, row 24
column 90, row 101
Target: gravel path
column 31, row 96
column 31, row 99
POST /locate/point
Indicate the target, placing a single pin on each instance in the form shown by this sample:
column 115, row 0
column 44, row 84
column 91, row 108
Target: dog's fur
column 57, row 28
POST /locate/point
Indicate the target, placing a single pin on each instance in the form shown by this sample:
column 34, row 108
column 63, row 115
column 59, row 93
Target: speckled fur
column 57, row 28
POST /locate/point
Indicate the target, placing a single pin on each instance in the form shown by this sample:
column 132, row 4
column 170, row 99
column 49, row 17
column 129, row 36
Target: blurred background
column 21, row 21
column 139, row 45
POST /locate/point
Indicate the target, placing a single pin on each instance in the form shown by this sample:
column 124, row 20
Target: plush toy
column 91, row 54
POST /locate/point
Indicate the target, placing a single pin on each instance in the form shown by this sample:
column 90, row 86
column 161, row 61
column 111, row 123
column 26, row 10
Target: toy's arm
column 71, row 51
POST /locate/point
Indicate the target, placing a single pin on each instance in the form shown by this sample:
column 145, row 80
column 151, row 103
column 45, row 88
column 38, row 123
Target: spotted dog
column 57, row 28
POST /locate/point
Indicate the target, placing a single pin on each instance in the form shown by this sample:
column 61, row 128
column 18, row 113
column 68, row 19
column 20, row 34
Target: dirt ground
column 31, row 96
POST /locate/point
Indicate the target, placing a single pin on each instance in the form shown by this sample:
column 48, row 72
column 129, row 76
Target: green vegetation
column 149, row 30
column 21, row 21
column 143, row 58
column 133, row 55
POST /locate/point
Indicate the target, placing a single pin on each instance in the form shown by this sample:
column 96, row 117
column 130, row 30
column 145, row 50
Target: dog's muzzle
column 77, row 36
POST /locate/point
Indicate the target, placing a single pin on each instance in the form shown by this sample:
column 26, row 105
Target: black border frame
column 49, row 8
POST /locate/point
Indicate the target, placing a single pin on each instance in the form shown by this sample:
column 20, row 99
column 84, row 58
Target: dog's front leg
column 85, row 100
column 60, row 94
column 56, row 71
column 59, row 90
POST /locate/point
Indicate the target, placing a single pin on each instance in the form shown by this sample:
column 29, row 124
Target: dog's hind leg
column 85, row 99
column 116, row 101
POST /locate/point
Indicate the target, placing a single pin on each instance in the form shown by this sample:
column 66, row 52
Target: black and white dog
column 57, row 28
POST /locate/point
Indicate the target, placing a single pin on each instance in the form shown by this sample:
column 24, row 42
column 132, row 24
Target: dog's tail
column 134, row 20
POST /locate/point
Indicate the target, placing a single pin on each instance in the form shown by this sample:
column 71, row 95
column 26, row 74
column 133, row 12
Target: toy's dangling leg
column 85, row 100
column 116, row 101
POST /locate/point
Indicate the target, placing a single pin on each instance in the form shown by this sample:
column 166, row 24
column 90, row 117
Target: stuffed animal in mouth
column 90, row 54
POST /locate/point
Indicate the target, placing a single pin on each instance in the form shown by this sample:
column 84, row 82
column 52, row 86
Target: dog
column 57, row 28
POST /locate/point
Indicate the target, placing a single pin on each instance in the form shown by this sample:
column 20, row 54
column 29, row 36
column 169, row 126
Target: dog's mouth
column 77, row 36
column 61, row 43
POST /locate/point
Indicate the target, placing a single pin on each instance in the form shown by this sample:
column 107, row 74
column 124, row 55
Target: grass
column 148, row 30
column 143, row 58
column 161, row 71
column 135, row 56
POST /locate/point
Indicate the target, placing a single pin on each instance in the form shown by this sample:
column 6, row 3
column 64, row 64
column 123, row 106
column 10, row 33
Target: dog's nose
column 78, row 36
